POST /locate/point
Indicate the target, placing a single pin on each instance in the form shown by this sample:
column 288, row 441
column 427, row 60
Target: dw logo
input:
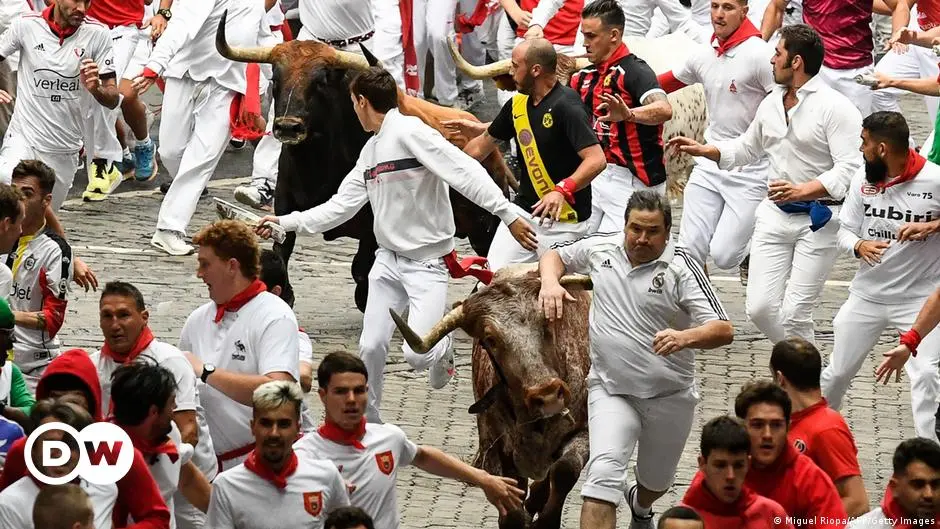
column 105, row 453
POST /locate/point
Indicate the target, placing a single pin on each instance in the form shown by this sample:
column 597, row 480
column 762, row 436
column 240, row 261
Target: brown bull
column 529, row 382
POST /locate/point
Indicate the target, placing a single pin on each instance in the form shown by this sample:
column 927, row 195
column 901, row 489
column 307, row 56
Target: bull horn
column 488, row 71
column 448, row 324
column 350, row 61
column 370, row 58
column 256, row 54
column 577, row 281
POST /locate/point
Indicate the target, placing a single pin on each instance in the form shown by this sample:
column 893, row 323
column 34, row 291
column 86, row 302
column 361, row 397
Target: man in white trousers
column 811, row 134
column 897, row 187
column 195, row 121
column 404, row 172
column 433, row 29
column 719, row 206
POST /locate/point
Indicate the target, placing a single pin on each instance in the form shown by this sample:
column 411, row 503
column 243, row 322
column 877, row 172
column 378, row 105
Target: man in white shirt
column 406, row 167
column 242, row 338
column 897, row 187
column 61, row 55
column 195, row 124
column 434, row 27
column 297, row 492
column 369, row 455
column 810, row 133
column 12, row 212
column 719, row 205
column 652, row 308
column 144, row 400
column 123, row 318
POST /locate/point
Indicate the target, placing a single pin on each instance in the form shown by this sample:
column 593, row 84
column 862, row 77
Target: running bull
column 689, row 116
column 322, row 138
column 529, row 382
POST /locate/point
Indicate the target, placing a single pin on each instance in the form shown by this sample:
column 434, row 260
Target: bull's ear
column 373, row 61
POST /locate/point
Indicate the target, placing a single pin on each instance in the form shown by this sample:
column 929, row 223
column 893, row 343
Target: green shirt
column 20, row 397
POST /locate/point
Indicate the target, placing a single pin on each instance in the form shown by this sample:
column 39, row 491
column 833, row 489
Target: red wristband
column 911, row 339
column 567, row 188
column 150, row 74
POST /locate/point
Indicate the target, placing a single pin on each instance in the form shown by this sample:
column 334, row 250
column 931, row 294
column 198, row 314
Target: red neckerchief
column 62, row 33
column 150, row 448
column 143, row 342
column 263, row 471
column 915, row 163
column 238, row 300
column 621, row 52
column 464, row 267
column 745, row 31
column 700, row 497
column 891, row 509
column 245, row 119
column 332, row 432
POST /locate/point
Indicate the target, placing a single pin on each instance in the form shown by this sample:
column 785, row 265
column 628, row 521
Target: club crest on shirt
column 733, row 88
column 79, row 52
column 313, row 502
column 29, row 263
column 800, row 445
column 239, row 353
column 658, row 281
column 869, row 190
column 548, row 120
column 386, row 462
column 607, row 80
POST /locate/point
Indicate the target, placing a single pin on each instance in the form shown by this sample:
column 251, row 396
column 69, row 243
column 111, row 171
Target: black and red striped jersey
column 637, row 147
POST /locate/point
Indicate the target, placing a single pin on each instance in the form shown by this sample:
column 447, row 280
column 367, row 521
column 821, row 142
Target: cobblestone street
column 113, row 238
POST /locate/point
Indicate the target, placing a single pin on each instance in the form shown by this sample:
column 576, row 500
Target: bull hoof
column 362, row 295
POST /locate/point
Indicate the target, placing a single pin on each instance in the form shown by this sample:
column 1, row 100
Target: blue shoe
column 145, row 161
column 128, row 165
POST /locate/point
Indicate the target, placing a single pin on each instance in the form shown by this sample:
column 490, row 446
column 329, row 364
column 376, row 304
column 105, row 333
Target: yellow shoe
column 103, row 178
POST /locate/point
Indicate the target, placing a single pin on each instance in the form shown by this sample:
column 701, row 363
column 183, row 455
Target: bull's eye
column 488, row 343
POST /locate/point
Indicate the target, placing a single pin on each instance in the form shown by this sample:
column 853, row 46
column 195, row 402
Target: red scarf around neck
column 332, row 432
column 151, row 448
column 143, row 342
column 892, row 509
column 239, row 300
column 745, row 31
column 62, row 33
column 915, row 163
column 615, row 57
column 257, row 465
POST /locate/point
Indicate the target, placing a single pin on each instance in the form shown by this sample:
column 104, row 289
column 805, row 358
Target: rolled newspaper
column 867, row 80
column 230, row 211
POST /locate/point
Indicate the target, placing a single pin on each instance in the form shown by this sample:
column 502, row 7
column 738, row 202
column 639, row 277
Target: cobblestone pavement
column 113, row 237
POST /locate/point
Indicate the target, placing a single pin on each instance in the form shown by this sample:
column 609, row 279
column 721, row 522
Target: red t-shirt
column 751, row 511
column 115, row 13
column 928, row 14
column 563, row 27
column 845, row 29
column 802, row 488
column 820, row 433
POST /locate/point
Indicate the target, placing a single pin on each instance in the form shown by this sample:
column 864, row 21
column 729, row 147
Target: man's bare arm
column 773, row 18
column 656, row 110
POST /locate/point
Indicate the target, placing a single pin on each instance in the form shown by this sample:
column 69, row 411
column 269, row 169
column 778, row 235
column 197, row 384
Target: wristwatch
column 165, row 13
column 207, row 369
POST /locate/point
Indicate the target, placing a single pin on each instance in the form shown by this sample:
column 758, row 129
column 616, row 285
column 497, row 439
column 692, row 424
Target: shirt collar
column 811, row 86
column 618, row 54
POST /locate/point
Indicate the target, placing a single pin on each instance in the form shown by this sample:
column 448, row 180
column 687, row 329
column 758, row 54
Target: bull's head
column 299, row 67
column 506, row 320
column 501, row 71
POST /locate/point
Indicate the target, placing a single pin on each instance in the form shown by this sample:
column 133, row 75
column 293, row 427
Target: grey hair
column 649, row 200
column 276, row 393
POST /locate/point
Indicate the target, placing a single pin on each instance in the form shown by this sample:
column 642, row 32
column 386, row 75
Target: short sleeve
column 219, row 515
column 577, row 124
column 104, row 54
column 696, row 294
column 58, row 267
column 502, row 127
column 11, row 39
column 409, row 450
column 834, row 451
column 640, row 81
column 305, row 347
column 278, row 347
column 576, row 254
column 687, row 71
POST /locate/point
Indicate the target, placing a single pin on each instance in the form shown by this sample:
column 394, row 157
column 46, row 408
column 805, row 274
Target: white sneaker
column 171, row 242
column 442, row 371
column 258, row 194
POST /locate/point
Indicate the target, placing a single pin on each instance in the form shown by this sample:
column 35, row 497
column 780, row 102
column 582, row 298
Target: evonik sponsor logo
column 106, row 453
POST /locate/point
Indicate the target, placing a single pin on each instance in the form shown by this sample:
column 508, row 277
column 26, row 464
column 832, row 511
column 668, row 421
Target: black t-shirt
column 559, row 138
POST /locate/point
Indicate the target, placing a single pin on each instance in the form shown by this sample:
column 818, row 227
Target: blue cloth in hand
column 819, row 213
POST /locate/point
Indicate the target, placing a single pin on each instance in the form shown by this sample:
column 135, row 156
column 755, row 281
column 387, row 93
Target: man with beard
column 298, row 491
column 809, row 132
column 895, row 276
column 143, row 397
column 912, row 498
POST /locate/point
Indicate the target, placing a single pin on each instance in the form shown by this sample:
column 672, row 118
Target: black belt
column 342, row 43
column 831, row 203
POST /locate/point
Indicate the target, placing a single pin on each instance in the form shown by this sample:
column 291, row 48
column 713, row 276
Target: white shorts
column 16, row 148
column 124, row 41
column 141, row 55
column 618, row 423
column 610, row 192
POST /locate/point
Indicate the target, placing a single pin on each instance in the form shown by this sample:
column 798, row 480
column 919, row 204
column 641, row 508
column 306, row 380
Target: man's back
column 845, row 28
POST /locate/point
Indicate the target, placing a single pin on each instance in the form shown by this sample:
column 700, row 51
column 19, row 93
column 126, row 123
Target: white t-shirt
column 313, row 490
column 16, row 503
column 258, row 339
column 909, row 271
column 735, row 84
column 631, row 304
column 336, row 19
column 6, row 281
column 369, row 474
column 49, row 93
column 187, row 395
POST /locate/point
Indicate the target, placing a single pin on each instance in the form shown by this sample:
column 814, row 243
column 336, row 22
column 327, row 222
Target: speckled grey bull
column 529, row 382
column 689, row 115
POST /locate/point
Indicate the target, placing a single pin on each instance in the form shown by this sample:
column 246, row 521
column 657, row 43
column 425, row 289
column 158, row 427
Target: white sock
column 144, row 141
column 637, row 509
column 126, row 152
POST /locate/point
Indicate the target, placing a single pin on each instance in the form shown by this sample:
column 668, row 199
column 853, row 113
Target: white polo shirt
column 49, row 92
column 370, row 474
column 909, row 271
column 735, row 84
column 313, row 490
column 336, row 19
column 17, row 500
column 631, row 304
column 260, row 338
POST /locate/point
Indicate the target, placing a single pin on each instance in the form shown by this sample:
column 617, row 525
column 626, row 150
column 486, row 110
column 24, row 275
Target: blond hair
column 272, row 395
